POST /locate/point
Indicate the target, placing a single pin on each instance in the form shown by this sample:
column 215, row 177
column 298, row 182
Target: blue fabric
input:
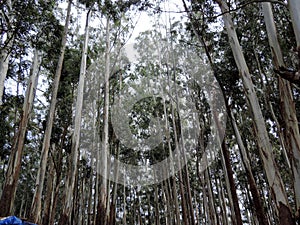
column 14, row 220
column 11, row 220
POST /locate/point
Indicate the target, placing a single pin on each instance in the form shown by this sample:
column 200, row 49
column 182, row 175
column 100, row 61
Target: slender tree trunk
column 263, row 141
column 287, row 105
column 70, row 184
column 57, row 160
column 112, row 211
column 90, row 202
column 258, row 205
column 124, row 220
column 223, row 202
column 156, row 214
column 5, row 55
column 231, row 188
column 191, row 211
column 4, row 59
column 36, row 202
column 212, row 213
column 49, row 194
column 168, row 212
column 172, row 179
column 294, row 7
column 102, row 202
column 14, row 164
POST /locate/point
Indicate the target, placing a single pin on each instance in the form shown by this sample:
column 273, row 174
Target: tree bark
column 14, row 164
column 4, row 57
column 102, row 202
column 36, row 202
column 294, row 7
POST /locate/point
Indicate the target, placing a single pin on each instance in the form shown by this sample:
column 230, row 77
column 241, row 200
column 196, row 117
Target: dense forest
column 192, row 121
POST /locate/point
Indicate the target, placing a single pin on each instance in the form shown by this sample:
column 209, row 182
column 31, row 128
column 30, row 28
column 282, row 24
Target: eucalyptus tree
column 287, row 105
column 36, row 202
column 65, row 217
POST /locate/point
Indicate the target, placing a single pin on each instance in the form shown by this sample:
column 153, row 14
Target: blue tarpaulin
column 14, row 220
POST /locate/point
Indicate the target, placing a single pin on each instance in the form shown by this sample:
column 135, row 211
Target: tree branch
column 290, row 75
column 229, row 11
column 248, row 3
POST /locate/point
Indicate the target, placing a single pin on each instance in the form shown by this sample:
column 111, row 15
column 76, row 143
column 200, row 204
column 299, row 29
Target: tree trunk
column 70, row 181
column 231, row 188
column 4, row 56
column 287, row 105
column 294, row 7
column 4, row 59
column 258, row 205
column 102, row 202
column 14, row 164
column 51, row 180
column 36, row 202
column 263, row 141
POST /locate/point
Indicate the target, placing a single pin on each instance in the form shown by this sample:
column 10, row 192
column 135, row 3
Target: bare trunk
column 287, row 105
column 102, row 203
column 4, row 59
column 156, row 212
column 70, row 182
column 258, row 205
column 14, row 165
column 112, row 211
column 212, row 213
column 49, row 195
column 294, row 7
column 231, row 188
column 263, row 141
column 4, row 56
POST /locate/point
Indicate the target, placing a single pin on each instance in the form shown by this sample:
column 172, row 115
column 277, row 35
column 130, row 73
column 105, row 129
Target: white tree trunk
column 69, row 188
column 36, row 202
column 263, row 141
column 102, row 211
column 294, row 6
column 4, row 57
column 288, row 111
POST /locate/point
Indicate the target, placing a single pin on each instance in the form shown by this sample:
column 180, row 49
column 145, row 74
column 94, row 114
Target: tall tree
column 287, row 105
column 65, row 217
column 36, row 202
column 102, row 217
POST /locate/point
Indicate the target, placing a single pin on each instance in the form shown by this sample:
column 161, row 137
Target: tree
column 65, row 217
column 102, row 216
column 287, row 105
column 36, row 202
